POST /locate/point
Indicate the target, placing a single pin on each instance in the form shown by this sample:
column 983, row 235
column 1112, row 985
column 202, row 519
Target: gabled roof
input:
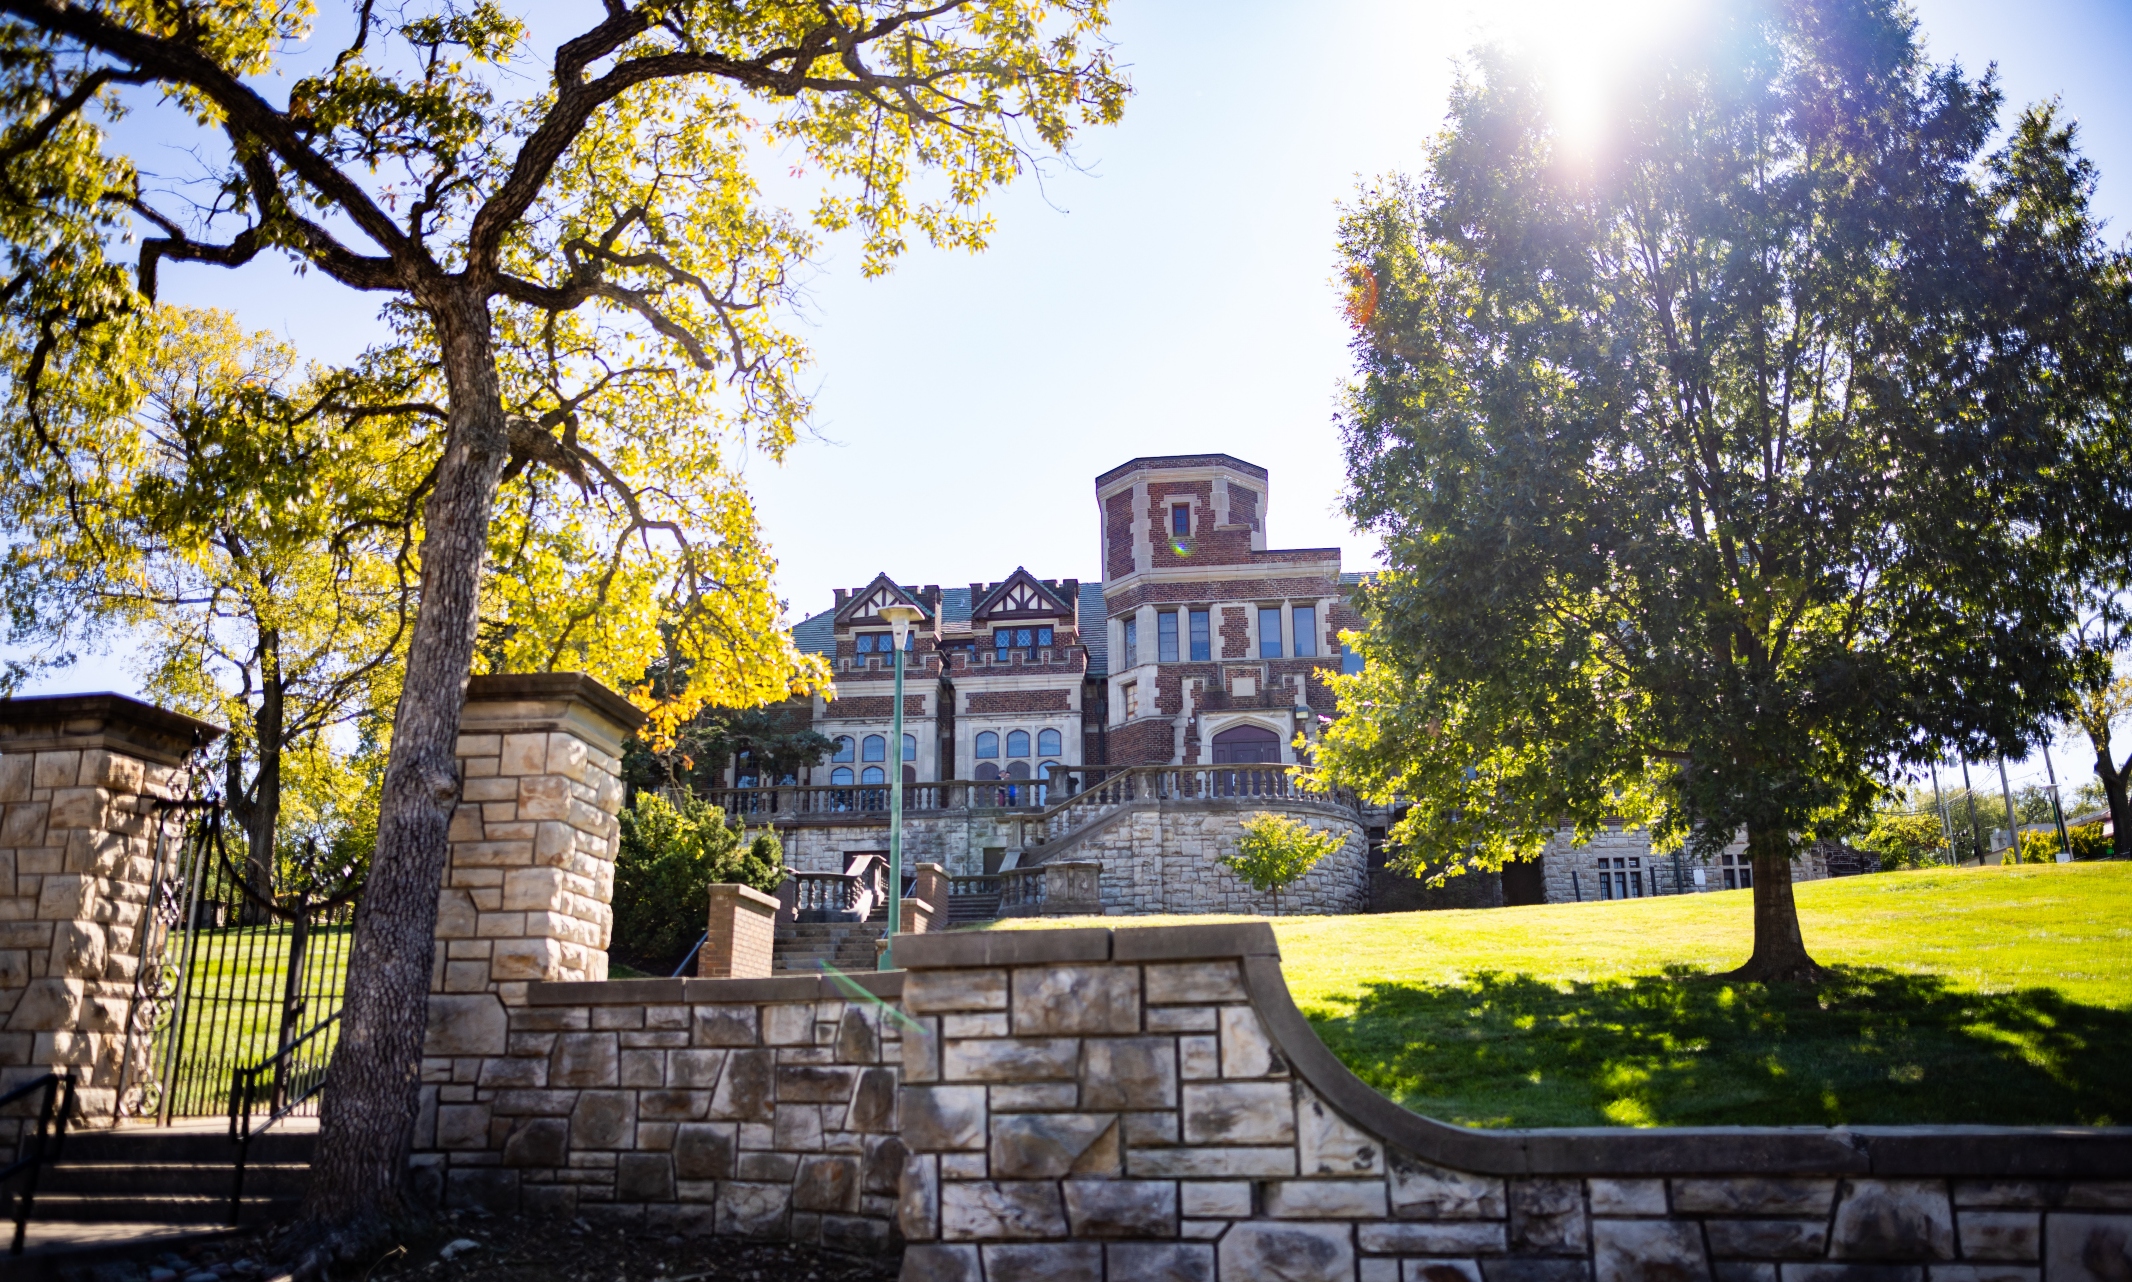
column 1022, row 595
column 868, row 601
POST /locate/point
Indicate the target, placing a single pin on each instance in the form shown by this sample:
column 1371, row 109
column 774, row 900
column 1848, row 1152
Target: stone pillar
column 742, row 934
column 531, row 873
column 81, row 777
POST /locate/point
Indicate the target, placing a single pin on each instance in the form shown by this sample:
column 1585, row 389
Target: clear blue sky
column 1175, row 292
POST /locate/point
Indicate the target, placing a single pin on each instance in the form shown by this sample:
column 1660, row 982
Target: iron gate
column 239, row 990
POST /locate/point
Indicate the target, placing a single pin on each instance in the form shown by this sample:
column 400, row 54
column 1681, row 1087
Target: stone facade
column 1619, row 864
column 1164, row 857
column 83, row 779
column 743, row 1107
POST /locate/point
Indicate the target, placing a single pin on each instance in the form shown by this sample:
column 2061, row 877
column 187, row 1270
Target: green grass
column 233, row 1018
column 1999, row 995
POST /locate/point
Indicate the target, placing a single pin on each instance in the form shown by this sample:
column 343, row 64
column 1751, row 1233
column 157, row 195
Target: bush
column 668, row 859
column 2090, row 842
column 1905, row 840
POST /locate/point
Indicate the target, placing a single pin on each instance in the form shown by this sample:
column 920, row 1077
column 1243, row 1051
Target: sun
column 1586, row 51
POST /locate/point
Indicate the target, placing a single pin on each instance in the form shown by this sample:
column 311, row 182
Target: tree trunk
column 2113, row 788
column 263, row 817
column 1779, row 951
column 369, row 1112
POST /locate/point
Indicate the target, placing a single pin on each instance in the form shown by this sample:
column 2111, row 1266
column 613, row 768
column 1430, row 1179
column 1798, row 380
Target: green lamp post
column 900, row 618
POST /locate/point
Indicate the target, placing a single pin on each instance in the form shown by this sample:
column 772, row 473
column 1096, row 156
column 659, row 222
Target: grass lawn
column 1998, row 995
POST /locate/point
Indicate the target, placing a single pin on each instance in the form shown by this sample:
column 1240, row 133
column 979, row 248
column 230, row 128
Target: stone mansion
column 1051, row 720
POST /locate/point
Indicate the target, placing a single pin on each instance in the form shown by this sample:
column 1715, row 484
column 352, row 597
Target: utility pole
column 1939, row 803
column 2013, row 821
column 1976, row 833
column 2065, row 839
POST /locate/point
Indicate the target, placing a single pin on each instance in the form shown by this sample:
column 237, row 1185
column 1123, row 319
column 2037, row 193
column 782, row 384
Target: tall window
column 1350, row 662
column 1306, row 631
column 987, row 744
column 1202, row 637
column 875, row 748
column 1269, row 632
column 843, row 752
column 1621, row 878
column 910, row 747
column 872, row 774
column 1180, row 520
column 1028, row 640
column 1132, row 643
column 1017, row 743
column 1166, row 637
column 1047, row 743
column 840, row 776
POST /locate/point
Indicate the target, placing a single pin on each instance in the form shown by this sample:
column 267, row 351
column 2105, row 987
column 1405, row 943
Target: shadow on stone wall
column 1398, row 892
column 1875, row 1047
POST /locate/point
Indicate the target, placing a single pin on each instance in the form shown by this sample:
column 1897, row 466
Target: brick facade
column 1020, row 701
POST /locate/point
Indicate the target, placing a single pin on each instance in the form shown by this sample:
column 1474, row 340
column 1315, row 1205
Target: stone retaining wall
column 1162, row 857
column 1148, row 1105
column 745, row 1107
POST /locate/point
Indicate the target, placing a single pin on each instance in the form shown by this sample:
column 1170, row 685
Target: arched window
column 1246, row 743
column 988, row 771
column 987, row 745
column 842, row 774
column 910, row 747
column 872, row 774
column 875, row 748
column 843, row 752
column 1017, row 769
column 1017, row 743
column 1047, row 743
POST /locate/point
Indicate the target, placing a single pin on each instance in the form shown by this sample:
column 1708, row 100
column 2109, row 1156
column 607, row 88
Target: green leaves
column 1276, row 851
column 1718, row 471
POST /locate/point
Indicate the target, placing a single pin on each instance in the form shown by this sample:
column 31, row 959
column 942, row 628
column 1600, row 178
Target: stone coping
column 70, row 722
column 887, row 985
column 1920, row 1151
column 556, row 685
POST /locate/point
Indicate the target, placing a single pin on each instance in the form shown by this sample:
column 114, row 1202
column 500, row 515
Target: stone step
column 160, row 1208
column 191, row 1144
column 174, row 1179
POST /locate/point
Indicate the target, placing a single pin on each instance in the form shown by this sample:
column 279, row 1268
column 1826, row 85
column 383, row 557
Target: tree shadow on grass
column 1871, row 1047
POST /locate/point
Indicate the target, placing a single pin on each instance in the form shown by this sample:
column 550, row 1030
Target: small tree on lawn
column 1276, row 851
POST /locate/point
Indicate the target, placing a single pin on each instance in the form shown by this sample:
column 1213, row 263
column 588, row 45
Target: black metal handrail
column 243, row 1090
column 52, row 1114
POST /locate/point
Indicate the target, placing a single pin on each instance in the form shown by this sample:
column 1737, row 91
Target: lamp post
column 900, row 618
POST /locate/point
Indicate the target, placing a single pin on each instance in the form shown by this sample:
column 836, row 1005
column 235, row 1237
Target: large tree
column 573, row 246
column 238, row 526
column 1710, row 455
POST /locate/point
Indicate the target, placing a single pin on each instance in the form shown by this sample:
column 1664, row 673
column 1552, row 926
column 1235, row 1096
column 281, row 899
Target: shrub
column 1276, row 851
column 2090, row 842
column 668, row 859
column 1905, row 840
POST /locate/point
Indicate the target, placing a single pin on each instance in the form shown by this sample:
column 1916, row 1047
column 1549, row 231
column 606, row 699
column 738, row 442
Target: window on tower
column 1269, row 632
column 1166, row 637
column 1306, row 631
column 1180, row 520
column 1202, row 637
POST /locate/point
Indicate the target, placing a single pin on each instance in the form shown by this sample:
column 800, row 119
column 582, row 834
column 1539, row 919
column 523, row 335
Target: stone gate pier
column 83, row 779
